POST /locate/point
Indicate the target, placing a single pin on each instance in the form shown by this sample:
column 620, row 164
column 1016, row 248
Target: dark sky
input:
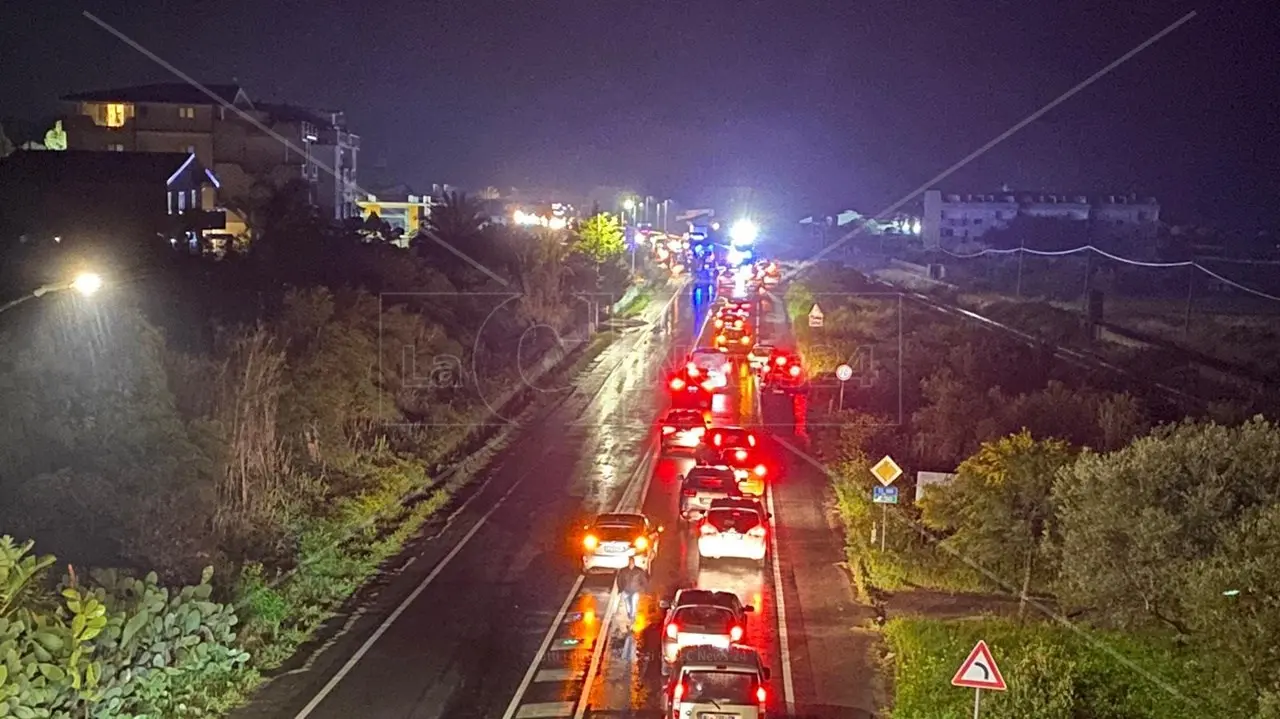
column 850, row 102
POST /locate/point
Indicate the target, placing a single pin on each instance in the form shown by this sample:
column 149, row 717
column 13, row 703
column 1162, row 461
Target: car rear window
column 716, row 481
column 739, row 520
column 616, row 534
column 700, row 619
column 720, row 687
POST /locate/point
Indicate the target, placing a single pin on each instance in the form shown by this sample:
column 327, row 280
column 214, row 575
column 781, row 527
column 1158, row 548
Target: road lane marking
column 784, row 646
column 597, row 654
column 558, row 675
column 545, row 710
column 542, row 650
column 386, row 624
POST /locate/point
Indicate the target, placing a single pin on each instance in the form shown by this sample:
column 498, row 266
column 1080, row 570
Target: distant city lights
column 530, row 219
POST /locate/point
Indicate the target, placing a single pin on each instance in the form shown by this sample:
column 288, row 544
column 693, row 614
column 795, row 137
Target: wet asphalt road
column 492, row 618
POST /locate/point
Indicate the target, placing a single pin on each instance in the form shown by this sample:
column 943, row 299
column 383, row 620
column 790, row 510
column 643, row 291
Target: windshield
column 739, row 520
column 720, row 687
column 709, row 360
column 704, row 620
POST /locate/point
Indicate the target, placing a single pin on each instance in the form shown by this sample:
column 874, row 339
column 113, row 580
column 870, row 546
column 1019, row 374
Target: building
column 245, row 144
column 958, row 218
column 122, row 201
column 399, row 207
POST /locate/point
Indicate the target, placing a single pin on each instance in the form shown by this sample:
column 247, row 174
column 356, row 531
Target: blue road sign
column 884, row 495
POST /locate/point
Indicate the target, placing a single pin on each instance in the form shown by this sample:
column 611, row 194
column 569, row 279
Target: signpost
column 884, row 495
column 979, row 672
column 843, row 373
column 886, row 471
column 815, row 316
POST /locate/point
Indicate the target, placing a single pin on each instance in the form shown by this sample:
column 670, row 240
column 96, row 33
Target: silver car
column 615, row 537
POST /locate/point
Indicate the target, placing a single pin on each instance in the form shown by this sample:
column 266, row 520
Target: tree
column 998, row 508
column 600, row 238
column 455, row 219
column 1137, row 528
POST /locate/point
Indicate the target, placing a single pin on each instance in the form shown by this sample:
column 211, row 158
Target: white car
column 733, row 529
column 717, row 682
column 700, row 617
column 683, row 428
column 614, row 537
column 714, row 363
column 759, row 356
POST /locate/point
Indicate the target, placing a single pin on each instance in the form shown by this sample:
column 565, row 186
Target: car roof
column 717, row 470
column 710, row 597
column 620, row 519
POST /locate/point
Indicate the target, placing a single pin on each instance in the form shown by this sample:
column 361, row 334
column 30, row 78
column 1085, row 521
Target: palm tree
column 455, row 218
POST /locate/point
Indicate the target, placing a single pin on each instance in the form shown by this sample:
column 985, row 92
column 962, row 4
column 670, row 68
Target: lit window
column 187, row 113
column 170, row 194
column 113, row 114
column 182, row 201
column 115, row 147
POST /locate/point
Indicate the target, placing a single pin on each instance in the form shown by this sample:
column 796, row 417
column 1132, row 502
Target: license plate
column 717, row 715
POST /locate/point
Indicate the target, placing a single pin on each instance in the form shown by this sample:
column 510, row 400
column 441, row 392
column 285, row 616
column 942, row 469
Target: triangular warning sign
column 816, row 311
column 979, row 671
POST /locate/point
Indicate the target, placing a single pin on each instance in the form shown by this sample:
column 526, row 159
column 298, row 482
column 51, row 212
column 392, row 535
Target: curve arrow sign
column 979, row 671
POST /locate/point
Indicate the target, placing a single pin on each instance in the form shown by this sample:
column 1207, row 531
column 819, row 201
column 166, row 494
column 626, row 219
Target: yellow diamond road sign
column 886, row 470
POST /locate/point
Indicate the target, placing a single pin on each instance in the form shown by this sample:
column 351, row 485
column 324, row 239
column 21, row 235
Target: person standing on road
column 631, row 581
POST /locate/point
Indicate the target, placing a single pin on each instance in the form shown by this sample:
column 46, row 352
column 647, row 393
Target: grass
column 1057, row 672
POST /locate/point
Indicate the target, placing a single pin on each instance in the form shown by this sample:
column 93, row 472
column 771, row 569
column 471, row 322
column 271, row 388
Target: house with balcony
column 398, row 206
column 246, row 144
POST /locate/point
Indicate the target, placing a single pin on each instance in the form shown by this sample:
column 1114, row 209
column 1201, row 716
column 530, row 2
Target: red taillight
column 761, row 470
column 761, row 695
column 716, row 439
column 694, row 370
column 795, row 370
column 751, row 440
column 781, row 361
column 673, row 631
column 691, row 493
column 668, row 429
column 677, row 384
column 756, row 531
column 707, row 529
column 740, row 454
column 735, row 633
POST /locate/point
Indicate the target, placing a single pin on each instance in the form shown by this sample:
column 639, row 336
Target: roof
column 53, row 167
column 178, row 93
column 737, row 654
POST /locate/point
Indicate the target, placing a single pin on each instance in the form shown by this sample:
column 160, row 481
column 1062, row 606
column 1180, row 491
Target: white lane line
column 784, row 646
column 542, row 650
column 386, row 624
column 545, row 710
column 597, row 654
column 558, row 675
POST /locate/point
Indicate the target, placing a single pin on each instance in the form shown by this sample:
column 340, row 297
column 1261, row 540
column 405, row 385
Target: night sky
column 817, row 104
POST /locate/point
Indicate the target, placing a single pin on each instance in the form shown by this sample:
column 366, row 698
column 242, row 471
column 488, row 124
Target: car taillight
column 699, row 431
column 735, row 633
column 642, row 543
column 707, row 529
column 590, row 541
column 756, row 531
column 668, row 429
column 716, row 439
column 673, row 631
column 795, row 370
column 780, row 361
column 677, row 383
column 761, row 470
column 761, row 695
column 740, row 454
column 709, row 385
column 694, row 370
column 751, row 440
column 746, row 339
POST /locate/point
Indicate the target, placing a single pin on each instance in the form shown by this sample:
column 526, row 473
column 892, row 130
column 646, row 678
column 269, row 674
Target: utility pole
column 1022, row 250
column 1191, row 277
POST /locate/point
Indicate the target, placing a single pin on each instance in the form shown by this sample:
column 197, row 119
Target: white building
column 958, row 218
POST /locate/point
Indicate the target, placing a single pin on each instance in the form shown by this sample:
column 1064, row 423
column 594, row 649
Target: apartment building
column 953, row 218
column 246, row 144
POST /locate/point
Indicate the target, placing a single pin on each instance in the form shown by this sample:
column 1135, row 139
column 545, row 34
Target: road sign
column 886, row 470
column 844, row 373
column 979, row 671
column 884, row 495
column 815, row 316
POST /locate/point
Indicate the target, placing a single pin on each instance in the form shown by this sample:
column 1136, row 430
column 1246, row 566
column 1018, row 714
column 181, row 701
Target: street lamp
column 743, row 232
column 86, row 283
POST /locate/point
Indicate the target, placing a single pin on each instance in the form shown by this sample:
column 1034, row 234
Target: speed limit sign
column 844, row 372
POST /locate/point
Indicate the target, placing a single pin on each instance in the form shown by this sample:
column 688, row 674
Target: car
column 734, row 341
column 689, row 392
column 702, row 485
column 725, row 437
column 734, row 529
column 701, row 617
column 759, row 356
column 783, row 374
column 749, row 469
column 706, row 682
column 684, row 428
column 615, row 537
column 713, row 361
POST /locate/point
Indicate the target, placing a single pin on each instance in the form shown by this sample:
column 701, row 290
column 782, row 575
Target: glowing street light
column 86, row 283
column 629, row 204
column 744, row 232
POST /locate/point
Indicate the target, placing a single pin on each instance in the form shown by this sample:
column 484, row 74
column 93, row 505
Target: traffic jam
column 711, row 665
